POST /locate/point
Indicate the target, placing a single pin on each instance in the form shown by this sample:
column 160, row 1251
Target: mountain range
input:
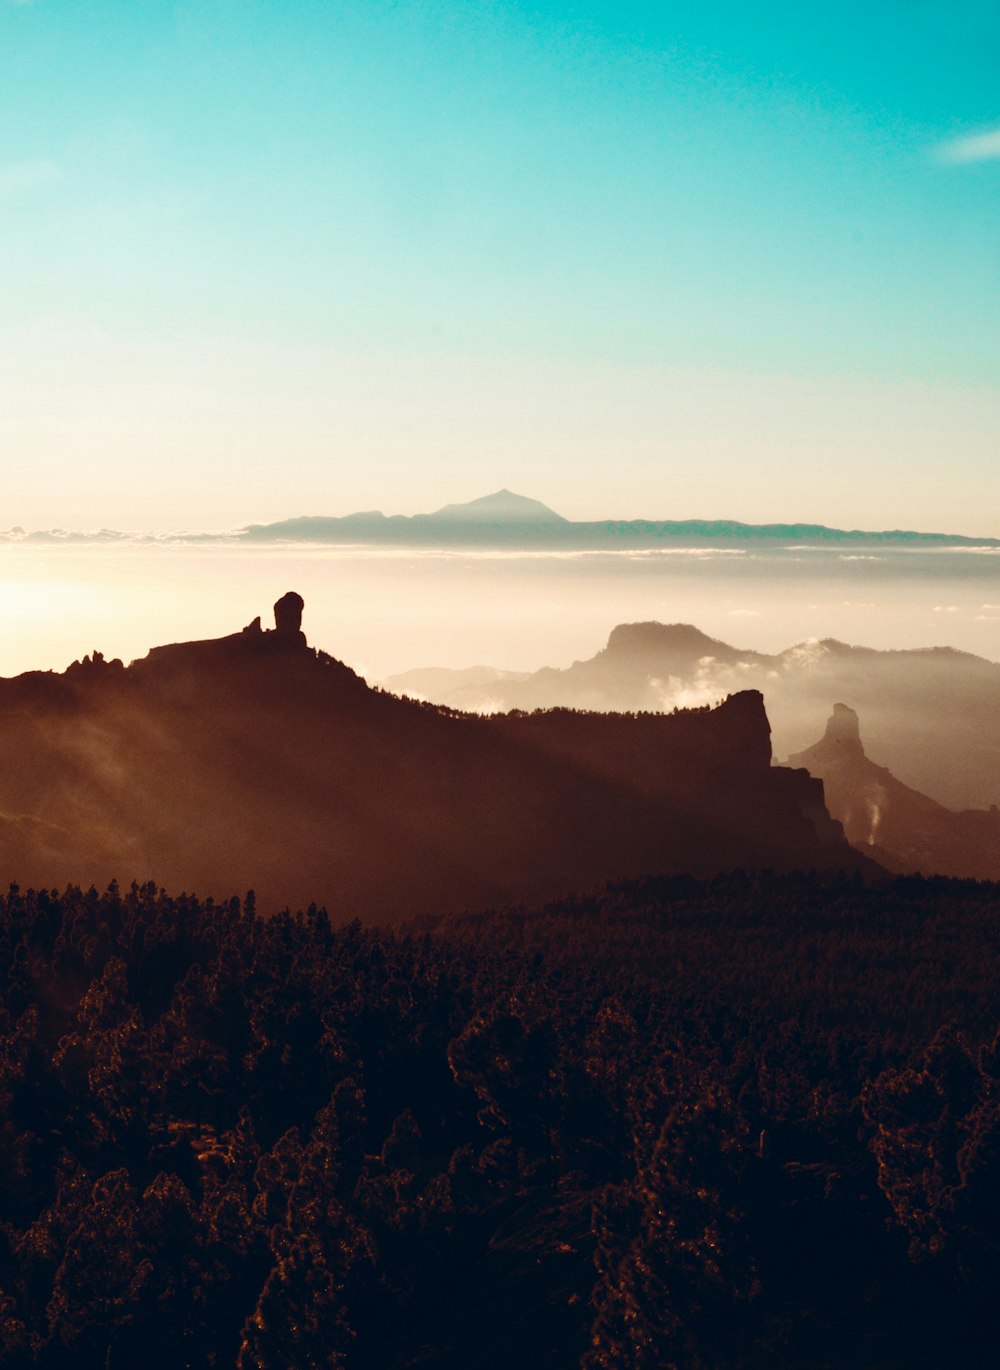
column 932, row 715
column 255, row 761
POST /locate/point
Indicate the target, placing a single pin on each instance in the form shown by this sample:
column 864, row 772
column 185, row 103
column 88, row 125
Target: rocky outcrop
column 252, row 644
column 288, row 615
column 904, row 830
column 843, row 733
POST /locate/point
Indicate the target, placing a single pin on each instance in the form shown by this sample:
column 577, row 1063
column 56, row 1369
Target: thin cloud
column 20, row 178
column 976, row 147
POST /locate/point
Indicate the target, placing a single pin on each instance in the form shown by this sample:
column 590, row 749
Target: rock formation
column 843, row 732
column 288, row 615
column 904, row 830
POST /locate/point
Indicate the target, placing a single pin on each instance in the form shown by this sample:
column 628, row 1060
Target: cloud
column 804, row 654
column 75, row 537
column 20, row 178
column 976, row 147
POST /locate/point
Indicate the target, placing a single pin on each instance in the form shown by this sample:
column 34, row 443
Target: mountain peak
column 650, row 631
column 503, row 505
column 676, row 640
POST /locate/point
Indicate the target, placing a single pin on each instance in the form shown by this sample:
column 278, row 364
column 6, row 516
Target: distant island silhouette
column 253, row 760
column 506, row 519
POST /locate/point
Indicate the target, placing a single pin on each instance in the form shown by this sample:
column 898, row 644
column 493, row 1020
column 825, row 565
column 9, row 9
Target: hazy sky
column 260, row 259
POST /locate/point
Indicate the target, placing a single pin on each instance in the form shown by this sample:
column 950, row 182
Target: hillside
column 255, row 761
column 931, row 715
column 748, row 1123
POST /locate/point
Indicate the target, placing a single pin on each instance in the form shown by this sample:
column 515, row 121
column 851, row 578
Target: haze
column 387, row 610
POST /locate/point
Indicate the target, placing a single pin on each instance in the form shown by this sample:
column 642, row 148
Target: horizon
column 17, row 533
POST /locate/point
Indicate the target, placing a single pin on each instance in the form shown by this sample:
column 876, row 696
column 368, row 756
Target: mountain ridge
column 932, row 713
column 255, row 761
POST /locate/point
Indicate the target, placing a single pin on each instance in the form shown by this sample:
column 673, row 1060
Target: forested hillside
column 739, row 1123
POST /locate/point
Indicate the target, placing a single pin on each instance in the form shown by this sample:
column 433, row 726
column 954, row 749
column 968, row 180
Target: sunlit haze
column 385, row 610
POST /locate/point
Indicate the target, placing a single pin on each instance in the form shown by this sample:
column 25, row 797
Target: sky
column 671, row 260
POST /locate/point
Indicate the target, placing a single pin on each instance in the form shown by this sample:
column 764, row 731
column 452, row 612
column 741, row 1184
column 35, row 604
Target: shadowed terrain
column 747, row 1123
column 932, row 715
column 255, row 761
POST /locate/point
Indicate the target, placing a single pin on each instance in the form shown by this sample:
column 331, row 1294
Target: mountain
column 507, row 519
column 255, row 761
column 501, row 518
column 903, row 829
column 932, row 714
column 503, row 507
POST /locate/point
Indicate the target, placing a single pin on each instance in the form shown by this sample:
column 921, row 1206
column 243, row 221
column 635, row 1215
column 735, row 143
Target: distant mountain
column 933, row 715
column 503, row 507
column 505, row 518
column 255, row 761
column 903, row 829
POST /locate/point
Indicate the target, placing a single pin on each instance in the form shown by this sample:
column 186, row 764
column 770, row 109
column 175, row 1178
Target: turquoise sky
column 678, row 260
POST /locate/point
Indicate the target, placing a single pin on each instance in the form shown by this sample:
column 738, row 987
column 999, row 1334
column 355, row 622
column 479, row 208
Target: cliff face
column 255, row 762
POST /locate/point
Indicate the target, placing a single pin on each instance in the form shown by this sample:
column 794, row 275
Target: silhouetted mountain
column 504, row 506
column 508, row 519
column 932, row 714
column 904, row 830
column 505, row 519
column 254, row 761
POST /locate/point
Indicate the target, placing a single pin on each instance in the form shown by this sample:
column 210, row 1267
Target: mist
column 384, row 611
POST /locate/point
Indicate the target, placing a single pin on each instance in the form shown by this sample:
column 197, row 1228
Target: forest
column 674, row 1124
